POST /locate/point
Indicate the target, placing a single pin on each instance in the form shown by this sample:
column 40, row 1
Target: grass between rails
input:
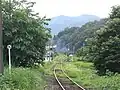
column 22, row 79
column 49, row 66
column 85, row 74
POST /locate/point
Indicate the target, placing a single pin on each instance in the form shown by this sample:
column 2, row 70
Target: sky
column 52, row 8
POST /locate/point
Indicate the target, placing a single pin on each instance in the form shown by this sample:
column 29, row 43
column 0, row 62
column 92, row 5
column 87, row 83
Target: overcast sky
column 52, row 8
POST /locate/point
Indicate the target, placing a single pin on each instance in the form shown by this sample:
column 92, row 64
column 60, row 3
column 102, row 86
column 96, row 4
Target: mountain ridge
column 58, row 23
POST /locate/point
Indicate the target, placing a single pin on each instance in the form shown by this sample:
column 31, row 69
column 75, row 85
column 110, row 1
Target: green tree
column 84, row 51
column 25, row 31
column 107, row 44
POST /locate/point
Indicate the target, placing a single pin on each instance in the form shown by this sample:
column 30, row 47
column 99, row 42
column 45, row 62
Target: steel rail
column 60, row 84
column 71, row 79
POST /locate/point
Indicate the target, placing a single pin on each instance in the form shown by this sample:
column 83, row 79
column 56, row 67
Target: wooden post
column 1, row 41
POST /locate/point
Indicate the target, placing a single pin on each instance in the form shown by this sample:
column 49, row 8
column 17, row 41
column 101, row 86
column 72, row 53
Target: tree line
column 25, row 31
column 98, row 42
column 105, row 46
column 74, row 37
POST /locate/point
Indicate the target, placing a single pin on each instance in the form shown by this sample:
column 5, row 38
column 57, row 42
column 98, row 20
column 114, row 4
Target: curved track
column 70, row 79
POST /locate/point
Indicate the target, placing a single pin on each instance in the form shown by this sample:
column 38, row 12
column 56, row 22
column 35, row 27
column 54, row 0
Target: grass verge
column 22, row 79
column 85, row 74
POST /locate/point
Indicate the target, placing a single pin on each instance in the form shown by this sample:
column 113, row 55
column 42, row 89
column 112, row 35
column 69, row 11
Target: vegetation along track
column 65, row 83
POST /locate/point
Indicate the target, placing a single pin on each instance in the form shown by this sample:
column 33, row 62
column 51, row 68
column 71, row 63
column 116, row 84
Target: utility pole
column 1, row 41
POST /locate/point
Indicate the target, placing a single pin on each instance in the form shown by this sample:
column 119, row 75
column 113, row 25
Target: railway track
column 72, row 85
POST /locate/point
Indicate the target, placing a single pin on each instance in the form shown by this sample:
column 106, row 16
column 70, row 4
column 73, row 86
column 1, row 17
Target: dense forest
column 74, row 37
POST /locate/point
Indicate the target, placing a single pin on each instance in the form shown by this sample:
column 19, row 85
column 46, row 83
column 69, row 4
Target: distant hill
column 58, row 23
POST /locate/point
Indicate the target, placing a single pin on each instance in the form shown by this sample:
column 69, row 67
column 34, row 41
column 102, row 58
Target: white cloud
column 53, row 8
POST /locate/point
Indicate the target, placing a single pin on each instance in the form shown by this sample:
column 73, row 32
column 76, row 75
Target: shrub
column 22, row 79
